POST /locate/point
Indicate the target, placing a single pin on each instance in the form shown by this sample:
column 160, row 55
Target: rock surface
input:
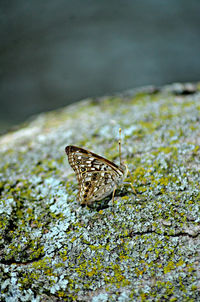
column 144, row 247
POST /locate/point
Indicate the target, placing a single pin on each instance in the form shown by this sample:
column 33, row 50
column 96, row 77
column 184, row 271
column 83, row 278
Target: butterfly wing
column 96, row 175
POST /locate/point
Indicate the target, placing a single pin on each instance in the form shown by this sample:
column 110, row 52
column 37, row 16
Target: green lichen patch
column 144, row 246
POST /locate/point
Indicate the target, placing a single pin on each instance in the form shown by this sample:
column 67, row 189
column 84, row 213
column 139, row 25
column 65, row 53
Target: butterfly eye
column 83, row 169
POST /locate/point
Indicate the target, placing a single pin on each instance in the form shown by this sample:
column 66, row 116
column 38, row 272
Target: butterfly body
column 97, row 176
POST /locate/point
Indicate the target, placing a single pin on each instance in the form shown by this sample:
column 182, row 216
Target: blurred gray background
column 56, row 52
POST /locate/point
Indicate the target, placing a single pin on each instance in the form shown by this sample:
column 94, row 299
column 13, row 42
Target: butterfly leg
column 132, row 188
column 113, row 194
column 130, row 184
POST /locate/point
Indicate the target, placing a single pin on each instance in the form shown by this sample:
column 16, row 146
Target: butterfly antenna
column 120, row 139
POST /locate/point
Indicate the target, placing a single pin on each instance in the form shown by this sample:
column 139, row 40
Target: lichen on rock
column 144, row 247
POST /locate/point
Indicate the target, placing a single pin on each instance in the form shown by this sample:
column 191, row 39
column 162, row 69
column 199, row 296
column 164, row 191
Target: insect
column 97, row 176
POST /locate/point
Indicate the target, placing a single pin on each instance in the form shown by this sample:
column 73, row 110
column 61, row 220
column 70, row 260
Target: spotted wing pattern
column 97, row 177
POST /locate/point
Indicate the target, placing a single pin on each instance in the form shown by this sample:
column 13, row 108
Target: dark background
column 56, row 52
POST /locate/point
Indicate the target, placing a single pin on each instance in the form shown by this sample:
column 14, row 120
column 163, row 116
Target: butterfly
column 97, row 176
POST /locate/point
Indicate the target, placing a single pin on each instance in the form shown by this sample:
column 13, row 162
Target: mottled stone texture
column 144, row 247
